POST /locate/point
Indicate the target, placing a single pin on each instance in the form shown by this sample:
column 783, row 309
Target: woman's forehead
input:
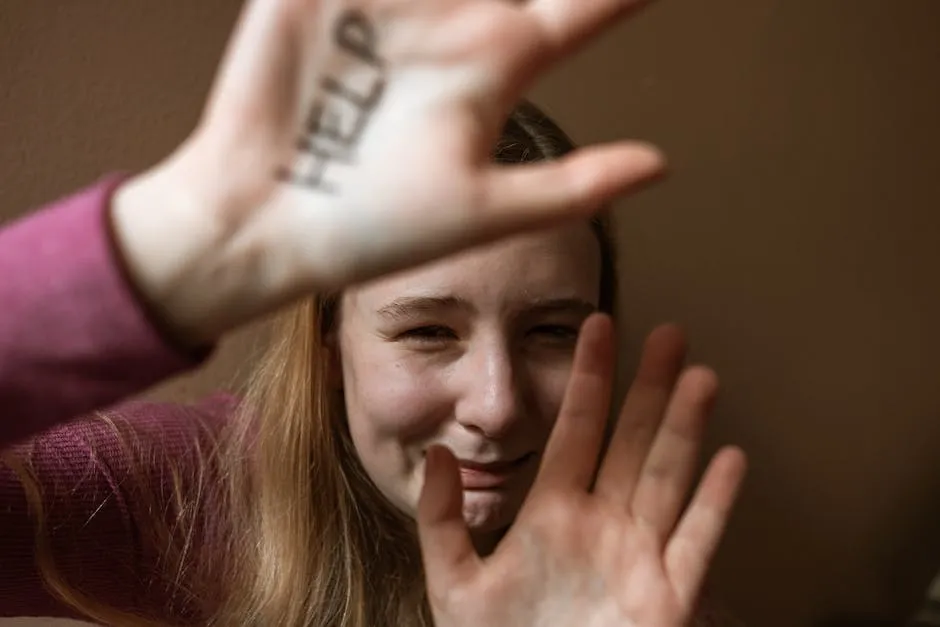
column 560, row 263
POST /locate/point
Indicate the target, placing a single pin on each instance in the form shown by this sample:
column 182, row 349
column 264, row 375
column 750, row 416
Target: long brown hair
column 304, row 536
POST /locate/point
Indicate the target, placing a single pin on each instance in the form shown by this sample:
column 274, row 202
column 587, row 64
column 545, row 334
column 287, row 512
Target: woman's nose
column 490, row 399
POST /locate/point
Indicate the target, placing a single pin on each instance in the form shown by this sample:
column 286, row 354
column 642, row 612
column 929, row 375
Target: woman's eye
column 556, row 332
column 430, row 333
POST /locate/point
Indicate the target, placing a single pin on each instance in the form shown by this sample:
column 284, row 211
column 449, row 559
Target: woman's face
column 472, row 352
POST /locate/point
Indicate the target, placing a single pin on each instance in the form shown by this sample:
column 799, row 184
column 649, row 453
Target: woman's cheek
column 402, row 404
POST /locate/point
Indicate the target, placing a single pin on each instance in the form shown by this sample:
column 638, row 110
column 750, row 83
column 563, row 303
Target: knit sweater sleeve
column 89, row 505
column 74, row 336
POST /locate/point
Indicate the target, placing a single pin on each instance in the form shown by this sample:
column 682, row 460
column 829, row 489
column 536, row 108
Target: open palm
column 607, row 547
column 351, row 138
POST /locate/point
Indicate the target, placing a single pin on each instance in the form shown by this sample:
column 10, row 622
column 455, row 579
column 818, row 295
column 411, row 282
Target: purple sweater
column 75, row 339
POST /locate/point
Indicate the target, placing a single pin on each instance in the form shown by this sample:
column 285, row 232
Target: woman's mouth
column 492, row 475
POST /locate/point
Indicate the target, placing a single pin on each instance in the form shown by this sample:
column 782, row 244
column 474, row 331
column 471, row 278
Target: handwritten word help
column 340, row 113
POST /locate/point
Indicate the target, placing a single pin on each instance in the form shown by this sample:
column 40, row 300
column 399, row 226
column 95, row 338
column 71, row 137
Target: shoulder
column 172, row 424
column 114, row 499
column 140, row 440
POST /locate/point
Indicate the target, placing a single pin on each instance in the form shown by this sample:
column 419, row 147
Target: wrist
column 180, row 257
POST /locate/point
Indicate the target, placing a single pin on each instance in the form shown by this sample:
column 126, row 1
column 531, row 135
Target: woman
column 342, row 427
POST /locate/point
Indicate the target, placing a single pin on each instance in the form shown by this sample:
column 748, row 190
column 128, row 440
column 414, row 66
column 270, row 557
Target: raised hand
column 347, row 139
column 607, row 546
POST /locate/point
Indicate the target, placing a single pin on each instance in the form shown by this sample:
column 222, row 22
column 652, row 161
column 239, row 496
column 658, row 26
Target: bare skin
column 345, row 141
column 620, row 552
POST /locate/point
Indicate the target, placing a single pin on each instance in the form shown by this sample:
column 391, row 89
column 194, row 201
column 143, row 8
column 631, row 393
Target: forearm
column 73, row 335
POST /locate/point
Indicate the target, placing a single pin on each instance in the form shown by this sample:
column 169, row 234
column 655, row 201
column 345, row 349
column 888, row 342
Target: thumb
column 446, row 548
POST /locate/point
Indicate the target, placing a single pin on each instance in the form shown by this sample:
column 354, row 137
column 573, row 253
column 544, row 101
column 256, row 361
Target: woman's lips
column 477, row 476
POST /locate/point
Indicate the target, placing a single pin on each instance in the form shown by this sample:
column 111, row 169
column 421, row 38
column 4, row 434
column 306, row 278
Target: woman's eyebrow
column 413, row 305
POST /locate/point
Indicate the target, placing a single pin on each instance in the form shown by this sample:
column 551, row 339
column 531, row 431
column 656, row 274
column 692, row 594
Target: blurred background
column 797, row 240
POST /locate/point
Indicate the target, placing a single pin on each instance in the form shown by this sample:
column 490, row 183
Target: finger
column 642, row 413
column 566, row 24
column 268, row 69
column 522, row 196
column 446, row 547
column 692, row 547
column 571, row 454
column 670, row 466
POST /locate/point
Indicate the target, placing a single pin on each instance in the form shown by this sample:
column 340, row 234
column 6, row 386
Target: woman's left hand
column 594, row 547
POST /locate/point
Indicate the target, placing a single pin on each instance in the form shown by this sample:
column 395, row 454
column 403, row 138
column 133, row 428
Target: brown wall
column 797, row 241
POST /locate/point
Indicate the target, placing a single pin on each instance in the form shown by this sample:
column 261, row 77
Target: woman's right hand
column 344, row 140
column 602, row 540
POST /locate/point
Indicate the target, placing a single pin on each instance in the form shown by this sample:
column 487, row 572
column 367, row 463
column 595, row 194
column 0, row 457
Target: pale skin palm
column 620, row 552
column 450, row 73
column 312, row 188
